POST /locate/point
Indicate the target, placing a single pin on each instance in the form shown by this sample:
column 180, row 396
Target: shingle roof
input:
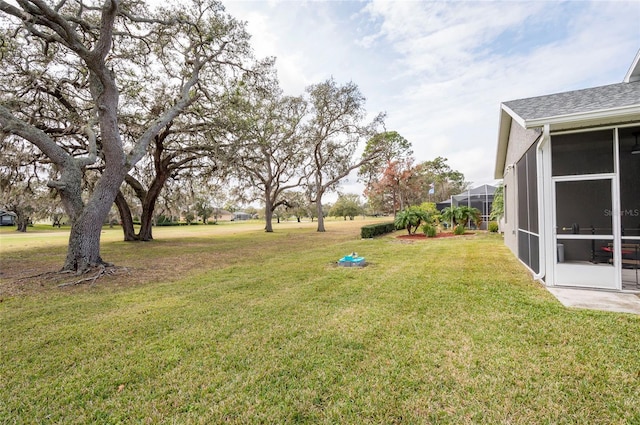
column 577, row 102
column 605, row 105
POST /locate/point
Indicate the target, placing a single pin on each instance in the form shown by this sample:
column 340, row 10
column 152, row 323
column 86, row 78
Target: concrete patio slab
column 597, row 300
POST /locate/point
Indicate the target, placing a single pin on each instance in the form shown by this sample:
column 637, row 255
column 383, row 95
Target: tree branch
column 93, row 150
column 39, row 138
column 103, row 46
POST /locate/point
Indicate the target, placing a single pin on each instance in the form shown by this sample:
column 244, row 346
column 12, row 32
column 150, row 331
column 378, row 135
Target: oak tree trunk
column 149, row 205
column 320, row 215
column 146, row 224
column 22, row 218
column 126, row 218
column 86, row 226
column 268, row 215
column 84, row 243
column 21, row 224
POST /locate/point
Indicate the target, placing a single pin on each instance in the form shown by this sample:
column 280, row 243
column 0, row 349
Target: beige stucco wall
column 520, row 140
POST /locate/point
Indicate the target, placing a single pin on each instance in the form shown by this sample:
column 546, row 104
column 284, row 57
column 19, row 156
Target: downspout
column 451, row 205
column 542, row 223
column 469, row 206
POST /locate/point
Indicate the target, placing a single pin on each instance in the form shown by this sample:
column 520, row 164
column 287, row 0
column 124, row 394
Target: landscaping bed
column 420, row 236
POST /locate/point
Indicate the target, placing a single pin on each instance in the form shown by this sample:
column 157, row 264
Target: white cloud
column 460, row 60
column 441, row 69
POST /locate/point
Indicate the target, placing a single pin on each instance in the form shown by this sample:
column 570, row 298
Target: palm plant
column 461, row 215
column 411, row 218
column 452, row 215
column 470, row 214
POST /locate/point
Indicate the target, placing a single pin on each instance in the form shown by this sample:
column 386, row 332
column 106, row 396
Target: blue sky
column 440, row 69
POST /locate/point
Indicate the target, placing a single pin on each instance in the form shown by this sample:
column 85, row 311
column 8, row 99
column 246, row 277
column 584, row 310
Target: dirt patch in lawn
column 176, row 253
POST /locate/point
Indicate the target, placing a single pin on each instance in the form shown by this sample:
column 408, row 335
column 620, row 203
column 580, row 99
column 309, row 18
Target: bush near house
column 493, row 227
column 429, row 230
column 411, row 218
column 373, row 230
column 461, row 215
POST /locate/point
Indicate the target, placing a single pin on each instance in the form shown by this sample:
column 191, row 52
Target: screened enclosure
column 596, row 184
column 528, row 229
column 480, row 198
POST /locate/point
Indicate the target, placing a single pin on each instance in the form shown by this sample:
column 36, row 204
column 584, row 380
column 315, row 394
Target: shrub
column 411, row 218
column 429, row 230
column 497, row 207
column 372, row 230
column 167, row 223
column 176, row 223
column 458, row 230
column 493, row 227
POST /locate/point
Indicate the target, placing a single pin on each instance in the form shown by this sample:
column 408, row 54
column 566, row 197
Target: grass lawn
column 228, row 324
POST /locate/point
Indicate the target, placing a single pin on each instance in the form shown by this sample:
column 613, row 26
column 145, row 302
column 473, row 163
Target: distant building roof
column 476, row 193
column 480, row 190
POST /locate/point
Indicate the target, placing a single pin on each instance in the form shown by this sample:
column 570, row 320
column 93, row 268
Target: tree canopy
column 146, row 107
column 400, row 182
column 267, row 153
column 497, row 207
column 75, row 75
column 347, row 205
column 333, row 132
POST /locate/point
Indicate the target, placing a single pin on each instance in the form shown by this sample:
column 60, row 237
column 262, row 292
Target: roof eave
column 506, row 117
column 583, row 116
column 634, row 71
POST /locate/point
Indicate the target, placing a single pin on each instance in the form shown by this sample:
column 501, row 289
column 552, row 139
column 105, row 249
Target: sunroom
column 595, row 200
column 570, row 163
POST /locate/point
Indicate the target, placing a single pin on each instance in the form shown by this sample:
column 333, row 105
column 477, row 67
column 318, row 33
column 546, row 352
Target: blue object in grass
column 352, row 261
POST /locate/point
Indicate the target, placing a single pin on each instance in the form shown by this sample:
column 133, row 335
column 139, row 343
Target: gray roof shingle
column 578, row 101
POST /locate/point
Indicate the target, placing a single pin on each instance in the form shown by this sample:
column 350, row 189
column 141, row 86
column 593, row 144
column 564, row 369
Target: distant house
column 480, row 197
column 570, row 163
column 7, row 218
column 240, row 216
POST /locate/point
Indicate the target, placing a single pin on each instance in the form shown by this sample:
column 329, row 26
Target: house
column 480, row 197
column 241, row 216
column 7, row 218
column 570, row 163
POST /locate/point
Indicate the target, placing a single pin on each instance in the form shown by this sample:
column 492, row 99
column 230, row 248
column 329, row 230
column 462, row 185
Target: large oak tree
column 268, row 152
column 335, row 129
column 73, row 70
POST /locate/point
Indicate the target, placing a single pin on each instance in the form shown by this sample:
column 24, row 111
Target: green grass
column 263, row 328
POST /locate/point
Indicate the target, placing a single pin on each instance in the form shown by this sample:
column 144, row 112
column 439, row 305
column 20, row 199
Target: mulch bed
column 419, row 236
